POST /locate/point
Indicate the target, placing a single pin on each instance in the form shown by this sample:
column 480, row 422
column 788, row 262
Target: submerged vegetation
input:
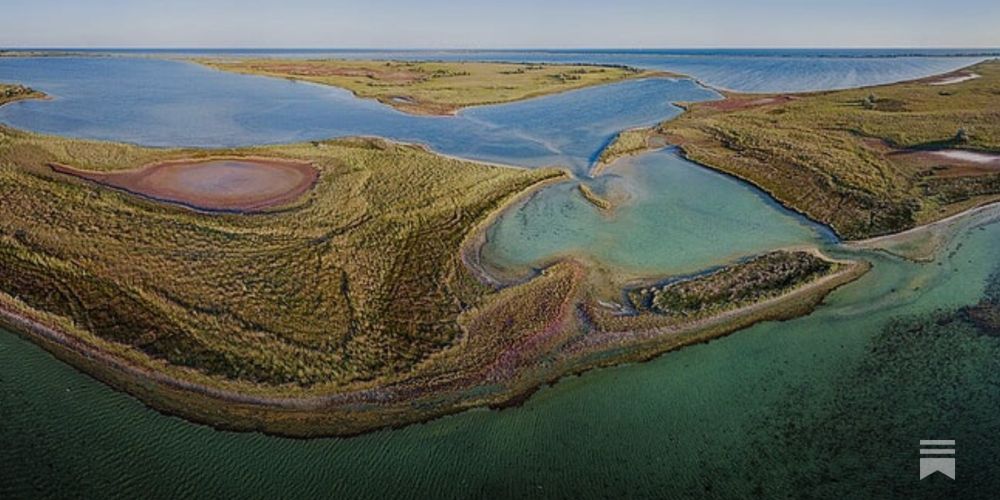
column 858, row 160
column 434, row 88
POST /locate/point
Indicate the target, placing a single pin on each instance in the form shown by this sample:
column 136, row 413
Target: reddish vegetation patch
column 226, row 185
column 734, row 103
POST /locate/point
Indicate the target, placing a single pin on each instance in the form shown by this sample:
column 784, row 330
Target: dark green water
column 829, row 406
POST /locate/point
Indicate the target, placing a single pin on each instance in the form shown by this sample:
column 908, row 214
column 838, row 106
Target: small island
column 11, row 93
column 435, row 87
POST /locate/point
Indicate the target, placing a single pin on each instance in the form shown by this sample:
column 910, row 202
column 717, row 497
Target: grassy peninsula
column 867, row 161
column 347, row 309
column 626, row 143
column 10, row 93
column 434, row 88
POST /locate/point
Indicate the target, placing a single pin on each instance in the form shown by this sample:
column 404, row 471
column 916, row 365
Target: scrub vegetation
column 758, row 278
column 10, row 93
column 434, row 88
column 863, row 161
column 356, row 282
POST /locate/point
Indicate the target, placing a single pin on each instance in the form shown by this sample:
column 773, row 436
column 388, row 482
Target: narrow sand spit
column 949, row 80
column 213, row 184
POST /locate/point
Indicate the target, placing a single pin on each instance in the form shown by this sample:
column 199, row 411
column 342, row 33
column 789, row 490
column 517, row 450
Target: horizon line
column 402, row 49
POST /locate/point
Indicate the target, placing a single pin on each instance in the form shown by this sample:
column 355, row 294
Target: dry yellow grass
column 852, row 159
column 434, row 88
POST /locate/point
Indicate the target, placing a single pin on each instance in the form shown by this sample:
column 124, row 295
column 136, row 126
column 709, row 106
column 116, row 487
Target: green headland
column 866, row 162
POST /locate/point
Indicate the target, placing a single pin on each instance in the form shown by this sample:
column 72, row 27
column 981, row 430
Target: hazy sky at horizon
column 500, row 24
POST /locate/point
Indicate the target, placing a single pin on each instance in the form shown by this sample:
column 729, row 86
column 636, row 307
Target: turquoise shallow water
column 672, row 217
column 828, row 406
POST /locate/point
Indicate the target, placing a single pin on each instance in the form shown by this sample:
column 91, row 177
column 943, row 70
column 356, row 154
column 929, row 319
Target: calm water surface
column 832, row 404
column 673, row 217
column 168, row 103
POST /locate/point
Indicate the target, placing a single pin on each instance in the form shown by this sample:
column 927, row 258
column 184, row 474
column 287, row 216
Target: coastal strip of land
column 435, row 87
column 866, row 162
column 861, row 161
column 352, row 308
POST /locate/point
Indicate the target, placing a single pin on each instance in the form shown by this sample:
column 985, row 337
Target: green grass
column 835, row 155
column 434, row 87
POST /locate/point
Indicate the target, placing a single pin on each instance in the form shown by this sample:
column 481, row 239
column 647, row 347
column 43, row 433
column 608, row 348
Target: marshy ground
column 236, row 185
column 350, row 309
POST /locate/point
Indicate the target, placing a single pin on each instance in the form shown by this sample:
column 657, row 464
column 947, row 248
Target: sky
column 499, row 23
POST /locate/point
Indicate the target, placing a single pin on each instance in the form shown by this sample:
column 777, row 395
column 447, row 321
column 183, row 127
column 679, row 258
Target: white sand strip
column 955, row 79
column 970, row 156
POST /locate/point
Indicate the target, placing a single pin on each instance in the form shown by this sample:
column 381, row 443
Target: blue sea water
column 169, row 103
